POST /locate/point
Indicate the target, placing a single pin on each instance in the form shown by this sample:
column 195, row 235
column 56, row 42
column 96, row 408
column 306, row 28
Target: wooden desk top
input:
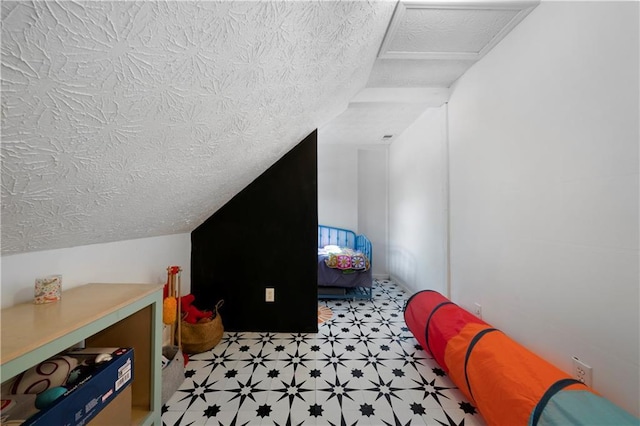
column 27, row 326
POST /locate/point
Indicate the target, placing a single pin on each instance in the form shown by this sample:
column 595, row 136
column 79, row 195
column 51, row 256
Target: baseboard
column 380, row 276
column 402, row 284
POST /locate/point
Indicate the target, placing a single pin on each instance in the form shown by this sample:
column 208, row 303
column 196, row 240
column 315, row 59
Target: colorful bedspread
column 344, row 259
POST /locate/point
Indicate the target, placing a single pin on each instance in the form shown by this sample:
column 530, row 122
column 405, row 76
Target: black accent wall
column 266, row 236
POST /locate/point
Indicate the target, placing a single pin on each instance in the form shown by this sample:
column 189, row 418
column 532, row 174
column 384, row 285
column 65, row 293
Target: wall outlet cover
column 582, row 371
column 477, row 310
column 270, row 294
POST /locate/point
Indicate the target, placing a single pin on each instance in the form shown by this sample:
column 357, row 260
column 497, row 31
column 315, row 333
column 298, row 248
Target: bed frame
column 329, row 235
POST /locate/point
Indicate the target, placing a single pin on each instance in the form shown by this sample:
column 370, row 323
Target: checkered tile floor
column 363, row 367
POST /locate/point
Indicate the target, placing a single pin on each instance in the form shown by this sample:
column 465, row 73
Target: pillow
column 332, row 249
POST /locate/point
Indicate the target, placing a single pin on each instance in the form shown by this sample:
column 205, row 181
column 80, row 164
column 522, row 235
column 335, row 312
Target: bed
column 344, row 264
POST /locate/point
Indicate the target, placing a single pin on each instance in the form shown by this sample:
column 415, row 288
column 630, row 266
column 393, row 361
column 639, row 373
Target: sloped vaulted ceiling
column 123, row 120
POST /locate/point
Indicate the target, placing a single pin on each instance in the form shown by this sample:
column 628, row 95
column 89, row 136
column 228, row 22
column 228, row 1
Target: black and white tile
column 363, row 367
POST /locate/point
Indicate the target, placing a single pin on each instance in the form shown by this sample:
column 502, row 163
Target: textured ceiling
column 450, row 30
column 368, row 123
column 133, row 119
column 432, row 43
column 424, row 30
column 125, row 120
column 417, row 72
column 429, row 44
column 376, row 113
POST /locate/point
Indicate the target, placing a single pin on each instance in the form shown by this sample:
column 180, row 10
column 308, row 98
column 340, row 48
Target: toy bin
column 172, row 372
column 95, row 390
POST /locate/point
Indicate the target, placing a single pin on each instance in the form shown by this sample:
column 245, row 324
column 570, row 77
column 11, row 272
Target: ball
column 46, row 398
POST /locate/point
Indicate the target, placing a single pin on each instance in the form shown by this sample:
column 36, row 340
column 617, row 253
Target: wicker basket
column 201, row 337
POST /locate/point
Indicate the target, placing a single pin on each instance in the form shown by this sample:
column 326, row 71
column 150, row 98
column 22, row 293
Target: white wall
column 338, row 186
column 544, row 189
column 417, row 204
column 352, row 193
column 133, row 261
column 373, row 204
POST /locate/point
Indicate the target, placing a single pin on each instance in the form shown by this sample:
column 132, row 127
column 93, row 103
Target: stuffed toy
column 190, row 313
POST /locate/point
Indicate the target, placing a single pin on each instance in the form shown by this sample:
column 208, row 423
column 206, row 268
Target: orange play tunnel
column 509, row 384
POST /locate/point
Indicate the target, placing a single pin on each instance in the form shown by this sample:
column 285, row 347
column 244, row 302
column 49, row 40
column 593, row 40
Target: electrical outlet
column 477, row 310
column 582, row 371
column 270, row 294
